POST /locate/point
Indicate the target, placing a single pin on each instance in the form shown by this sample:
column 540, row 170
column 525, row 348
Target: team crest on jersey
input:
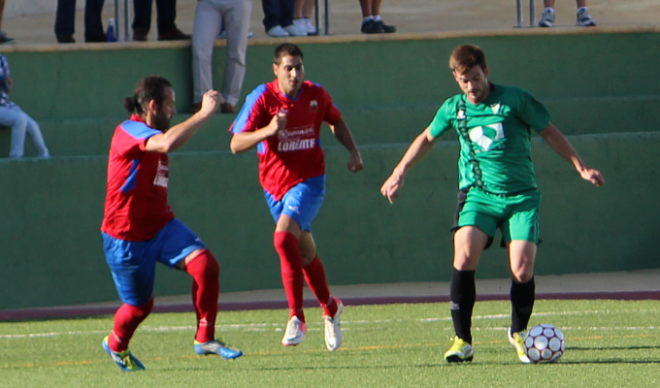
column 460, row 115
column 313, row 106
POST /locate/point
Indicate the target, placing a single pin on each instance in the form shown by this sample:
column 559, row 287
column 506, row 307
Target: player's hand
column 355, row 163
column 593, row 176
column 278, row 122
column 211, row 102
column 391, row 186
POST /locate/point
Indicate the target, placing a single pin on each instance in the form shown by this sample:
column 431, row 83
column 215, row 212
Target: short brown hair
column 286, row 49
column 465, row 57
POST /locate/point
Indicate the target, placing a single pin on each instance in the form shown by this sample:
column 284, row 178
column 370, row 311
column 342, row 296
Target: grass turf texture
column 609, row 344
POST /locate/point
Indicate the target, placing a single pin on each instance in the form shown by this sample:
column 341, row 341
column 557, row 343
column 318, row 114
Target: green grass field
column 609, row 344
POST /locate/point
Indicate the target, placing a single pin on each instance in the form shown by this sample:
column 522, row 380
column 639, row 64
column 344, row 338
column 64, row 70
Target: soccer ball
column 544, row 343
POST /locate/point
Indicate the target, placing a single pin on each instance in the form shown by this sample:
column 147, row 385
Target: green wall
column 597, row 86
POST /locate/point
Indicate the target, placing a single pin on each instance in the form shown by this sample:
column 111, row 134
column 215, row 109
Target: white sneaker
column 547, row 19
column 333, row 328
column 277, row 32
column 295, row 332
column 584, row 18
column 296, row 29
column 309, row 27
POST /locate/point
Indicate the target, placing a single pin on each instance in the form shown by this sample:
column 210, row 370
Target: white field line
column 279, row 327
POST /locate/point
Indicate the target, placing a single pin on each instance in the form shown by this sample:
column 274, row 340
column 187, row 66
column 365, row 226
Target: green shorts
column 517, row 216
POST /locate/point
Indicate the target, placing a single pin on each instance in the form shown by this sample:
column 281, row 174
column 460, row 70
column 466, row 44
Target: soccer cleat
column 126, row 360
column 547, row 19
column 460, row 351
column 333, row 328
column 217, row 348
column 584, row 18
column 517, row 339
column 295, row 332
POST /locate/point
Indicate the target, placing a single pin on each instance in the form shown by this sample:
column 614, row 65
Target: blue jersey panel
column 244, row 114
column 138, row 130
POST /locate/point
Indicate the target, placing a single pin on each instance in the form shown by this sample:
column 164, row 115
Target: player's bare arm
column 560, row 144
column 419, row 148
column 345, row 137
column 179, row 134
column 245, row 141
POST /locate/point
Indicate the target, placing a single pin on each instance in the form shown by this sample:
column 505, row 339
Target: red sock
column 286, row 245
column 127, row 319
column 205, row 290
column 317, row 282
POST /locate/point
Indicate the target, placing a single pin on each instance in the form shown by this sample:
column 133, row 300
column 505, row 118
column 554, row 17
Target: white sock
column 550, row 9
column 367, row 19
column 583, row 9
column 377, row 18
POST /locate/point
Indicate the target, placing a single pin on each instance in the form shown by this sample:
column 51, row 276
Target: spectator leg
column 93, row 24
column 65, row 17
column 14, row 118
column 237, row 22
column 142, row 15
column 272, row 13
column 166, row 10
column 286, row 14
column 37, row 138
column 208, row 21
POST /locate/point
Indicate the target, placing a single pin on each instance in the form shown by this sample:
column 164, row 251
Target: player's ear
column 153, row 106
column 275, row 68
column 486, row 71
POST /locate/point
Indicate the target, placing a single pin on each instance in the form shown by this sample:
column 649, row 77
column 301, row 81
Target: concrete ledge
column 330, row 39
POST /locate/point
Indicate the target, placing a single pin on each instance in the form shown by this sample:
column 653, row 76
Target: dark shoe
column 65, row 39
column 175, row 34
column 371, row 27
column 227, row 108
column 96, row 39
column 4, row 38
column 386, row 29
column 140, row 34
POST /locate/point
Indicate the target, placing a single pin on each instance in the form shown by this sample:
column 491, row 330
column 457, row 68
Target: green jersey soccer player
column 497, row 187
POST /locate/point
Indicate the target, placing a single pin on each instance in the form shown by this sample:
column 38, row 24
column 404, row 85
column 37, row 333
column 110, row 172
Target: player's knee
column 522, row 275
column 205, row 265
column 308, row 257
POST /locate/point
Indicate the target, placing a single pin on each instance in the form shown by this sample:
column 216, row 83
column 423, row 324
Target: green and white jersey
column 497, row 156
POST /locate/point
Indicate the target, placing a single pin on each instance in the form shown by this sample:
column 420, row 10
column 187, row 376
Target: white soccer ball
column 544, row 343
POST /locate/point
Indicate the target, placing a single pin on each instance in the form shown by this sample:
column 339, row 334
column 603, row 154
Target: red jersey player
column 283, row 120
column 140, row 229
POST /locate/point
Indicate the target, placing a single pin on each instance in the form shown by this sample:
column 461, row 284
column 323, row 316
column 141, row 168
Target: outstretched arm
column 244, row 141
column 419, row 148
column 179, row 134
column 345, row 137
column 562, row 146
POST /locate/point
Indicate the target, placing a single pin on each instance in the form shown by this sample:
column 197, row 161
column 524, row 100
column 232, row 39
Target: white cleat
column 295, row 332
column 333, row 328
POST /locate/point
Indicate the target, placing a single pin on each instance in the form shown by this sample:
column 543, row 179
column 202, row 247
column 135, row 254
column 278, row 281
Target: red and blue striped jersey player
column 139, row 228
column 282, row 119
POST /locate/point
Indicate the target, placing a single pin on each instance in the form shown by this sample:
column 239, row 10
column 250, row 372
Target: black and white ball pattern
column 544, row 343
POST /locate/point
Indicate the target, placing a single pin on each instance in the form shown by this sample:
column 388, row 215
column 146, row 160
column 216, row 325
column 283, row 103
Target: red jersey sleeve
column 332, row 115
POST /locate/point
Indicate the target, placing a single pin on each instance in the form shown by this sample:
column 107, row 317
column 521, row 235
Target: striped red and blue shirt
column 295, row 153
column 136, row 207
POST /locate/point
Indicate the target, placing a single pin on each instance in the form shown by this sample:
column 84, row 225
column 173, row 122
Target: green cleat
column 125, row 360
column 517, row 339
column 460, row 351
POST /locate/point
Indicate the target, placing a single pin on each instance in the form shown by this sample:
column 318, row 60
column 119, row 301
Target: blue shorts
column 302, row 202
column 133, row 264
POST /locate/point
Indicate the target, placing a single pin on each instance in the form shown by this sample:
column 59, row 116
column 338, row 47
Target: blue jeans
column 20, row 124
